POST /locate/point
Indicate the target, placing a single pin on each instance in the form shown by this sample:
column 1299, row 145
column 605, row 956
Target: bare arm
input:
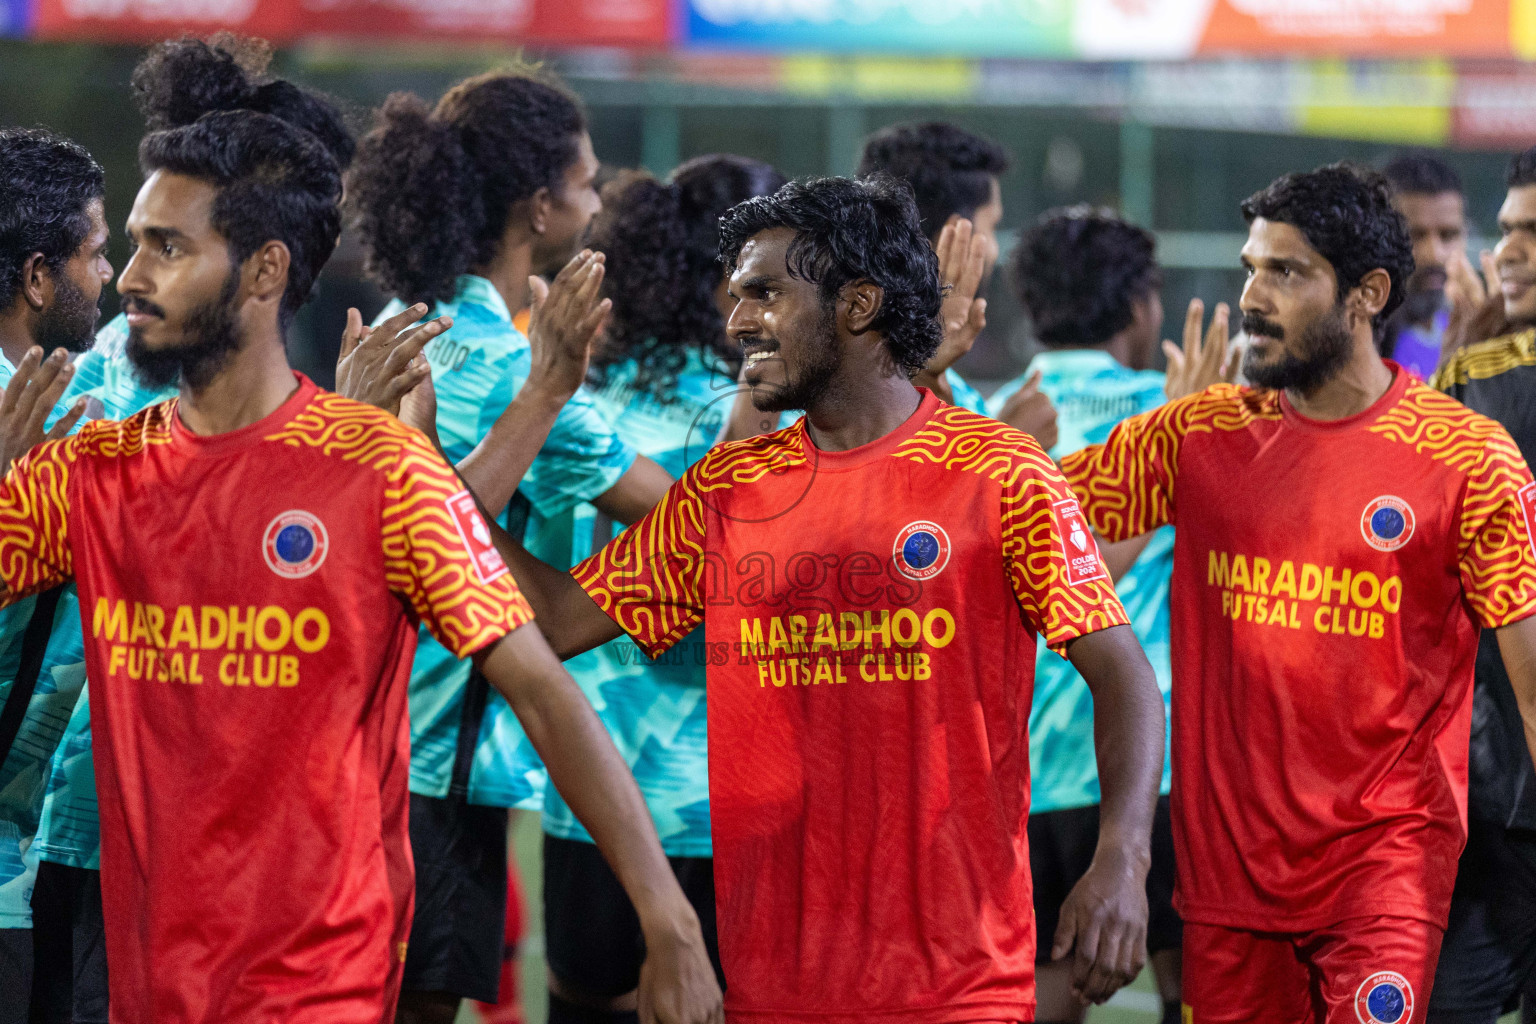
column 1105, row 916
column 1118, row 558
column 1517, row 643
column 635, row 493
column 677, row 983
column 570, row 620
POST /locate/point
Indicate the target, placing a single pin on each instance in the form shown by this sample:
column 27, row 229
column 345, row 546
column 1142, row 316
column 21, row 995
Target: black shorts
column 1061, row 845
column 591, row 931
column 69, row 980
column 458, row 932
column 1489, row 952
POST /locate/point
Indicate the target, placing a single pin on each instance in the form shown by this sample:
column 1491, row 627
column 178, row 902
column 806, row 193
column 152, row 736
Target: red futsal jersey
column 248, row 601
column 1329, row 582
column 871, row 619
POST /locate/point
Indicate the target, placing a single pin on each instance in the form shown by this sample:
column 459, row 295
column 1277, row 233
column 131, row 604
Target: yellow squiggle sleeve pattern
column 1035, row 553
column 427, row 559
column 34, row 519
column 1497, row 560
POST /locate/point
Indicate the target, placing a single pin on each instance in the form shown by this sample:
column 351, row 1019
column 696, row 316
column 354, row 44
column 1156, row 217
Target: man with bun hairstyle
column 459, row 205
column 176, row 82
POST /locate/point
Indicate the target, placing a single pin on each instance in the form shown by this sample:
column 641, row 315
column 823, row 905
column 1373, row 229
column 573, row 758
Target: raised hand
column 1476, row 301
column 379, row 365
column 566, row 321
column 1031, row 410
column 34, row 389
column 1203, row 359
column 963, row 257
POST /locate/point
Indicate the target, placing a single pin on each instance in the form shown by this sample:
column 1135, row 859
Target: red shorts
column 1366, row 970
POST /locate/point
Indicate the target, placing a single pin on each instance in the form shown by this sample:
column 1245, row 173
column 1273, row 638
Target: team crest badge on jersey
column 295, row 544
column 921, row 550
column 1387, row 523
column 1384, row 998
column 476, row 537
column 1078, row 548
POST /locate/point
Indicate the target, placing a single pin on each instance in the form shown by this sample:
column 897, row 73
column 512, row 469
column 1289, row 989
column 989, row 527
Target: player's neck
column 1354, row 389
column 508, row 274
column 851, row 414
column 251, row 386
column 15, row 333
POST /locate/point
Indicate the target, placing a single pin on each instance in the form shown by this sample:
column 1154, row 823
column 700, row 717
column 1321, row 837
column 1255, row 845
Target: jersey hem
column 67, row 858
column 1248, row 921
column 966, row 1013
column 693, row 851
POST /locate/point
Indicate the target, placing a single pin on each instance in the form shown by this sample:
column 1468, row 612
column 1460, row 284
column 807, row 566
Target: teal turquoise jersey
column 47, row 784
column 1092, row 392
column 477, row 368
column 653, row 710
column 966, row 397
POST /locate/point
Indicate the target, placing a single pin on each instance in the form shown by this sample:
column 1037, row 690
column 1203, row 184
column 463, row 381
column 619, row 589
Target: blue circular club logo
column 921, row 550
column 295, row 544
column 1387, row 523
column 1384, row 998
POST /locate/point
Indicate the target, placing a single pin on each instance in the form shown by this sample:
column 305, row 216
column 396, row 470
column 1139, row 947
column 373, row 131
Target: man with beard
column 459, row 206
column 1489, row 956
column 1343, row 533
column 261, row 693
column 873, row 579
column 175, row 83
column 1428, row 193
column 53, row 242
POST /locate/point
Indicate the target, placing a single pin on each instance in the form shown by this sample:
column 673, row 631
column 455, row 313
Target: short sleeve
column 650, row 578
column 439, row 556
column 1052, row 560
column 582, row 458
column 34, row 519
column 1497, row 556
column 1126, row 483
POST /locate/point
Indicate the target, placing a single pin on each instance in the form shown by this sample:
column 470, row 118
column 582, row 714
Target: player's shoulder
column 967, row 442
column 350, row 431
column 1440, row 428
column 110, row 438
column 749, row 459
column 1487, row 359
column 1229, row 404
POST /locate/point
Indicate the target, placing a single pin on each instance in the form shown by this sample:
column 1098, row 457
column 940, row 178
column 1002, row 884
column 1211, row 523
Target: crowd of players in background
column 585, row 364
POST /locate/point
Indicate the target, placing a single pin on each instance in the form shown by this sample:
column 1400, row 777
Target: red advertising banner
column 148, row 20
column 545, row 22
column 1495, row 109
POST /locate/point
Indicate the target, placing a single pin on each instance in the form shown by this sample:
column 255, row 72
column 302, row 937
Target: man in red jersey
column 871, row 581
column 1343, row 533
column 251, row 558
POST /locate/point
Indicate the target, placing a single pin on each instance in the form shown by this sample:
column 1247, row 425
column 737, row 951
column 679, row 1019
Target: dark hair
column 46, row 184
column 662, row 240
column 432, row 188
column 950, row 170
column 1421, row 174
column 1077, row 272
column 1522, row 169
column 1345, row 212
column 180, row 80
column 274, row 181
column 854, row 230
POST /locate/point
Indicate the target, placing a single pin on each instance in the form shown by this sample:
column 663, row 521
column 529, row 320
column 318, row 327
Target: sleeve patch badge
column 1079, row 551
column 476, row 537
column 1527, row 496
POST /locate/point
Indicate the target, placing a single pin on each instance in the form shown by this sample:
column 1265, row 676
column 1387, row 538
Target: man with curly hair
column 871, row 581
column 53, row 242
column 1090, row 284
column 1343, row 534
column 1489, row 956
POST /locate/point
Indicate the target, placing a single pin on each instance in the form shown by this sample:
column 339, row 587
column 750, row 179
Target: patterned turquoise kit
column 1092, row 392
column 477, row 368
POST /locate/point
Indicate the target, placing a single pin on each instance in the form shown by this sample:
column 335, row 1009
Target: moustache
column 131, row 304
column 1254, row 324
